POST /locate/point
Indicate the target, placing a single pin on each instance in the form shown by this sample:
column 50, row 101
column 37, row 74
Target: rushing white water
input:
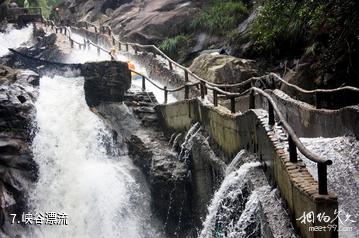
column 227, row 198
column 80, row 172
column 343, row 174
column 13, row 38
column 82, row 56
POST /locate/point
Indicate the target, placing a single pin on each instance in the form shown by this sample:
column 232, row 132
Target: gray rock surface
column 221, row 69
column 135, row 122
column 105, row 81
column 144, row 21
column 18, row 171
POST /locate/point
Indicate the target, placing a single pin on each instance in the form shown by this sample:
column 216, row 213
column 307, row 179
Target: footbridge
column 254, row 115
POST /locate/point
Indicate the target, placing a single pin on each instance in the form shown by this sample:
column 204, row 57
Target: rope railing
column 107, row 29
column 294, row 142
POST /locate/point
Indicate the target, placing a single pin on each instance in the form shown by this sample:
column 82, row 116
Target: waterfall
column 230, row 206
column 343, row 175
column 14, row 38
column 83, row 56
column 80, row 172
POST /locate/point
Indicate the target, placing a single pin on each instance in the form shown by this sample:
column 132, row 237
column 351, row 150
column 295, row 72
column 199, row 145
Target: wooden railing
column 294, row 142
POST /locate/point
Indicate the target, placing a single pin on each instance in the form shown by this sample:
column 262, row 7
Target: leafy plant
column 220, row 17
column 285, row 25
column 171, row 46
column 328, row 30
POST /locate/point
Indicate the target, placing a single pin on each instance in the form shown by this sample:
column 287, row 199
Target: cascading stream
column 14, row 38
column 80, row 172
column 343, row 175
column 81, row 56
column 229, row 199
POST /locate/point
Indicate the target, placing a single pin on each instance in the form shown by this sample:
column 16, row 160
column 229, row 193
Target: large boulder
column 105, row 81
column 221, row 69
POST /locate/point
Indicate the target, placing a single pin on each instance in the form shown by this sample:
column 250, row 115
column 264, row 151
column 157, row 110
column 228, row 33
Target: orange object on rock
column 131, row 65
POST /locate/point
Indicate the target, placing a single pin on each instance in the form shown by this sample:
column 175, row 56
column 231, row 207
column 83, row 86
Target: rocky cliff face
column 18, row 171
column 135, row 126
column 144, row 21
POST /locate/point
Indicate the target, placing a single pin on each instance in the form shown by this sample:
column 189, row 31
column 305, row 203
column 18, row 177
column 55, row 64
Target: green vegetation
column 220, row 17
column 172, row 46
column 326, row 29
column 286, row 24
column 46, row 5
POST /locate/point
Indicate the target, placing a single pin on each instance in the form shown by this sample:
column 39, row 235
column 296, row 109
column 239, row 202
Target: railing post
column 72, row 43
column 317, row 100
column 86, row 26
column 186, row 75
column 322, row 179
column 113, row 40
column 98, row 51
column 166, row 93
column 170, row 65
column 271, row 120
column 292, row 150
column 203, row 85
column 186, row 91
column 233, row 105
column 85, row 44
column 109, row 31
column 215, row 98
column 135, row 50
column 126, row 47
column 119, row 46
column 143, row 83
column 80, row 46
column 56, row 30
column 60, row 30
column 65, row 30
column 96, row 30
column 252, row 103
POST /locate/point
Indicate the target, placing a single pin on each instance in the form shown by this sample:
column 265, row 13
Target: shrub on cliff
column 172, row 46
column 328, row 30
column 220, row 17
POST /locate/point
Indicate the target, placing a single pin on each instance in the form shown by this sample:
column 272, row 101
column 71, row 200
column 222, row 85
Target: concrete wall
column 312, row 122
column 306, row 120
column 233, row 132
column 322, row 99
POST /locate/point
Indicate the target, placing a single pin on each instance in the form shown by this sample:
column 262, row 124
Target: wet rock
column 105, row 82
column 168, row 181
column 28, row 77
column 221, row 69
column 18, row 171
